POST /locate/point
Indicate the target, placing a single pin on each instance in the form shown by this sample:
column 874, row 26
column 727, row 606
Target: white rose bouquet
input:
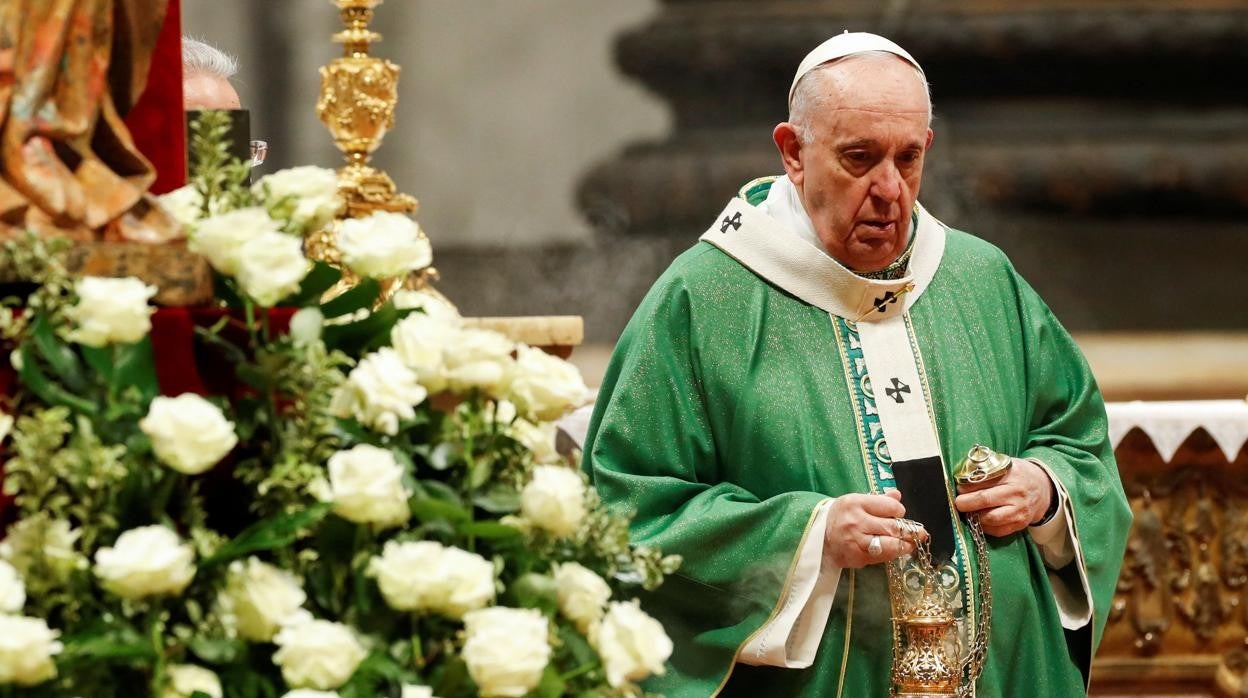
column 351, row 497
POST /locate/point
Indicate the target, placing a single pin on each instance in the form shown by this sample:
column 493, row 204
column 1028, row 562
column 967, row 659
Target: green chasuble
column 736, row 404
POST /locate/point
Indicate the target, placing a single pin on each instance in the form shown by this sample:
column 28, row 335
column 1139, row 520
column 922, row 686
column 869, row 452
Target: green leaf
column 269, row 534
column 244, row 682
column 538, row 591
column 578, row 646
column 366, row 594
column 499, row 498
column 252, row 375
column 489, row 530
column 428, row 509
column 61, row 358
column 315, row 284
column 363, row 335
column 126, row 367
column 480, row 472
column 106, row 644
column 218, row 650
column 211, row 335
column 442, row 491
column 552, row 685
column 136, row 367
column 454, row 679
column 166, row 483
column 38, row 382
column 364, row 295
column 335, row 541
column 319, row 581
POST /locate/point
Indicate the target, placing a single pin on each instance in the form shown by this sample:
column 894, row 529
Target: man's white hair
column 808, row 98
column 202, row 58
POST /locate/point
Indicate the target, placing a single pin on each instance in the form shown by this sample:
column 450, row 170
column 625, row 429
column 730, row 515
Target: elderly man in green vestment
column 825, row 329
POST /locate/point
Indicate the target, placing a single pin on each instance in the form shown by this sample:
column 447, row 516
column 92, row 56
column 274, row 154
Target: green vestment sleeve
column 650, row 448
column 1068, row 432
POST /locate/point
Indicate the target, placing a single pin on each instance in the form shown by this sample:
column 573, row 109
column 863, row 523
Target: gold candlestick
column 358, row 96
column 357, row 101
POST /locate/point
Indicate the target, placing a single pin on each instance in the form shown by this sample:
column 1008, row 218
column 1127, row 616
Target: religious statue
column 69, row 71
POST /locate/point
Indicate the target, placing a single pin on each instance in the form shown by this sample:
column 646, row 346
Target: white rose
column 309, row 693
column 554, row 500
column 220, row 238
column 310, row 193
column 271, row 267
column 6, row 421
column 507, row 650
column 500, row 412
column 306, row 325
column 27, row 646
column 366, row 486
column 379, row 392
column 185, row 204
column 146, row 561
column 186, row 679
column 425, row 576
column 433, row 304
column 260, row 598
column 545, row 386
column 384, row 245
column 414, row 691
column 188, row 433
column 478, row 359
column 631, row 643
column 110, row 311
column 317, row 654
column 582, row 594
column 47, row 543
column 423, row 343
column 12, row 590
column 538, row 438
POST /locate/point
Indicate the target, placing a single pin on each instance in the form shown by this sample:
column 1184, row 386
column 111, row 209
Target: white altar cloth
column 1168, row 424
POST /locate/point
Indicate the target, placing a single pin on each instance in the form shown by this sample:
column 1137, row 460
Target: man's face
column 204, row 91
column 859, row 175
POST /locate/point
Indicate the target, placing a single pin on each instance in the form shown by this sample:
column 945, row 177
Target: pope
column 826, row 336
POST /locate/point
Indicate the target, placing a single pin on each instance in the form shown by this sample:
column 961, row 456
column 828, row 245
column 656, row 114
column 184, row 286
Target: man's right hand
column 854, row 519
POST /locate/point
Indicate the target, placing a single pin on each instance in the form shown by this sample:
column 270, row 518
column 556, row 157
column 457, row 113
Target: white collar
column 781, row 250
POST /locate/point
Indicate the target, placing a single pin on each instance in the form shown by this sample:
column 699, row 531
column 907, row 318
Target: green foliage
column 219, row 178
column 84, row 471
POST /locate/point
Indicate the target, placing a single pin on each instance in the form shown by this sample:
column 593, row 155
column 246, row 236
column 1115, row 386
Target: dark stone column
column 1103, row 145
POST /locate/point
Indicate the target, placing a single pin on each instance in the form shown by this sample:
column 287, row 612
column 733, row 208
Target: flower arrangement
column 374, row 506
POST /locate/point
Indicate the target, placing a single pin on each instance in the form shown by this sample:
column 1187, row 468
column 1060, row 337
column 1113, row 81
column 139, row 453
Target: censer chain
column 983, row 618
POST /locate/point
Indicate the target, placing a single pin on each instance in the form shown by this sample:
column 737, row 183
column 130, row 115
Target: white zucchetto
column 847, row 44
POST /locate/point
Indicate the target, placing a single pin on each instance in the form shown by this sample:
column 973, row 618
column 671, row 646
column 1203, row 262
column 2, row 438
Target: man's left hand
column 1008, row 505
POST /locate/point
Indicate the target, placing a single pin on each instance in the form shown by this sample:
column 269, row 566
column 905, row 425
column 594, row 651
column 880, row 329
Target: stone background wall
column 1103, row 144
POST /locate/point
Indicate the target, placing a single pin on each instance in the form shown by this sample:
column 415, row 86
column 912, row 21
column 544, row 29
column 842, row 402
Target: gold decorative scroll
column 1180, row 613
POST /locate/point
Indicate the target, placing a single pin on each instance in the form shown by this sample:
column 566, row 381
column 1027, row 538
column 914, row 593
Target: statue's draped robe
column 725, row 419
column 69, row 70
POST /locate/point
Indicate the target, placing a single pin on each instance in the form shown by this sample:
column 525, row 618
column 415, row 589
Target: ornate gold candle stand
column 359, row 93
column 358, row 96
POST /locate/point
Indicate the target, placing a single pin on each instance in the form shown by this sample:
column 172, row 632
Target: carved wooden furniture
column 1179, row 623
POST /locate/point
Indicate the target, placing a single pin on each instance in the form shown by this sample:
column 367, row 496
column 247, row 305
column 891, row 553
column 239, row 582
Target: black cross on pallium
column 888, row 298
column 734, row 221
column 896, row 391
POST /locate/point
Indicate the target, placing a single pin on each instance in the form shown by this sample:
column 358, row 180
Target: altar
column 1179, row 620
